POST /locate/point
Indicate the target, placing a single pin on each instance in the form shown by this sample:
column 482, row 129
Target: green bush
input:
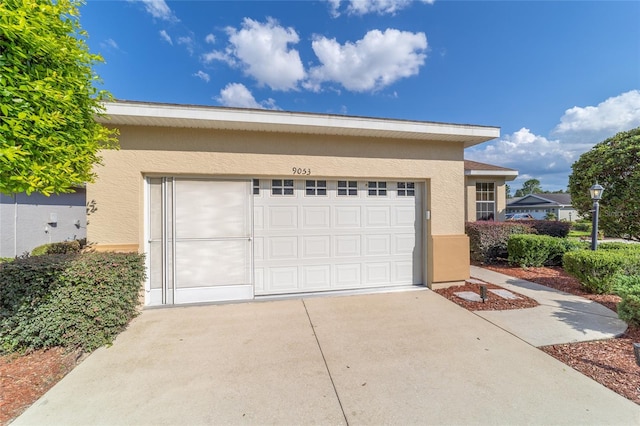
column 596, row 270
column 628, row 287
column 581, row 226
column 616, row 245
column 488, row 240
column 75, row 301
column 538, row 250
column 63, row 247
column 552, row 228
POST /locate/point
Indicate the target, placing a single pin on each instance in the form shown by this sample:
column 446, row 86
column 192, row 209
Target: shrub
column 581, row 226
column 628, row 287
column 488, row 240
column 63, row 247
column 596, row 270
column 553, row 228
column 538, row 250
column 75, row 301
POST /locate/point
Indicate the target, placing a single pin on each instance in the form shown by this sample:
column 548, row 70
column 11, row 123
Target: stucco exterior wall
column 25, row 220
column 118, row 219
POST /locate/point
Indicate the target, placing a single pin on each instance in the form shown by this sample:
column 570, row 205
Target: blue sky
column 557, row 77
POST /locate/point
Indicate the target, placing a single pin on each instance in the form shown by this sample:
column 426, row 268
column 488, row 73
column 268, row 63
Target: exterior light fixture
column 596, row 194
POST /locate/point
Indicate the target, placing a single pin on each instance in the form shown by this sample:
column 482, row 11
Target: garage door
column 214, row 240
column 318, row 235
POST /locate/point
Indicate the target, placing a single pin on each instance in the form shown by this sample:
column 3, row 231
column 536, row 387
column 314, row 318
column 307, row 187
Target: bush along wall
column 539, row 250
column 597, row 270
column 74, row 301
column 488, row 240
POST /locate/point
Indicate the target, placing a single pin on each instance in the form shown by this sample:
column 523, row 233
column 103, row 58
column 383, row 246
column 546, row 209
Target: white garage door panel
column 305, row 242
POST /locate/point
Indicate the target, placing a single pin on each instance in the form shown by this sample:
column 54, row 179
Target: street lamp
column 596, row 194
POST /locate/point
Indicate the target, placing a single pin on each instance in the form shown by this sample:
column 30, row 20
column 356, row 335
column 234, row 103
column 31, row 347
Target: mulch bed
column 25, row 378
column 493, row 301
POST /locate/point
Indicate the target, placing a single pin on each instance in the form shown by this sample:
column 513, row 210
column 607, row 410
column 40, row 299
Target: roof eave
column 507, row 174
column 167, row 115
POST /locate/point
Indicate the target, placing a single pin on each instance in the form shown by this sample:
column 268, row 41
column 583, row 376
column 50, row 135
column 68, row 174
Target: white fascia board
column 507, row 174
column 147, row 114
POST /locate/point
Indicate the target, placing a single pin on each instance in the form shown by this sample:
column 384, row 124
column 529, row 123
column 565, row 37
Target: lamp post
column 596, row 194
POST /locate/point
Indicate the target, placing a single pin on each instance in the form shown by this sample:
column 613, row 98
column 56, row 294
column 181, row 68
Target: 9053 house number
column 300, row 171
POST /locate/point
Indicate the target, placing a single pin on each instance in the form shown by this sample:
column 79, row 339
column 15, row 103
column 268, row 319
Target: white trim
column 165, row 115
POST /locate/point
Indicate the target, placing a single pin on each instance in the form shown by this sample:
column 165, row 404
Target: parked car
column 519, row 216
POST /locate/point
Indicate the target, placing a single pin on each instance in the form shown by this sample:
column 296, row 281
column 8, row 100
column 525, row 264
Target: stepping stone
column 469, row 295
column 505, row 294
column 475, row 281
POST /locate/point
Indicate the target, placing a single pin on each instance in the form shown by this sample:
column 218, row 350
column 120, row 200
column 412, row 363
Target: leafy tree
column 532, row 186
column 507, row 190
column 49, row 140
column 614, row 164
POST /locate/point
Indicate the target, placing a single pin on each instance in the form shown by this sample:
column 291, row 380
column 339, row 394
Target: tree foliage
column 532, row 186
column 614, row 164
column 49, row 140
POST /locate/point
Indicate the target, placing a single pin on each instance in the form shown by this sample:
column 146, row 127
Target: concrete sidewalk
column 560, row 318
column 396, row 358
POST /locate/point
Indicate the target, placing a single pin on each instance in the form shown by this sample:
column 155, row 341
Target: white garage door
column 318, row 235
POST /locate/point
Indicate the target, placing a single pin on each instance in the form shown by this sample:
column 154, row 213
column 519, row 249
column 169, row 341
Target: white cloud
column 550, row 160
column 363, row 7
column 376, row 61
column 217, row 55
column 592, row 124
column 263, row 49
column 210, row 38
column 188, row 43
column 202, row 76
column 166, row 37
column 237, row 95
column 159, row 9
column 109, row 44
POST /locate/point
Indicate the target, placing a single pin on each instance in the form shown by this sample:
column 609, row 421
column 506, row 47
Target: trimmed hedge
column 597, row 270
column 628, row 287
column 75, row 301
column 63, row 247
column 552, row 228
column 488, row 240
column 539, row 250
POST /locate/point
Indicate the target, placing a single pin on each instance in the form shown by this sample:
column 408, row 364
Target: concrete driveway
column 395, row 358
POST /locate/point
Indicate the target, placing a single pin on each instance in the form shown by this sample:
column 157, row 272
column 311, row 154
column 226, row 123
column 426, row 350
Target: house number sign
column 301, row 171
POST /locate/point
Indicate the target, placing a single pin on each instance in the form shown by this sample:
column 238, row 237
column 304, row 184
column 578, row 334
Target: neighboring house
column 539, row 205
column 236, row 204
column 485, row 191
column 28, row 221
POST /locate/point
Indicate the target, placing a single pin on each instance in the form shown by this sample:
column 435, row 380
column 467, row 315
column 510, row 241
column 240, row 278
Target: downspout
column 15, row 225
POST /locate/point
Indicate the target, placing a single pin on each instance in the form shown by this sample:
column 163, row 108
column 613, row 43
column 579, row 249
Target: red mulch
column 492, row 303
column 25, row 378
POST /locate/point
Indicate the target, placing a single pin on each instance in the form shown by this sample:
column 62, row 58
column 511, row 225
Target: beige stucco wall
column 470, row 199
column 118, row 221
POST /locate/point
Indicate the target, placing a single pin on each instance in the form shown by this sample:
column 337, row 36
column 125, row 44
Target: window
column 316, row 187
column 485, row 201
column 406, row 189
column 348, row 187
column 282, row 187
column 256, row 187
column 378, row 189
